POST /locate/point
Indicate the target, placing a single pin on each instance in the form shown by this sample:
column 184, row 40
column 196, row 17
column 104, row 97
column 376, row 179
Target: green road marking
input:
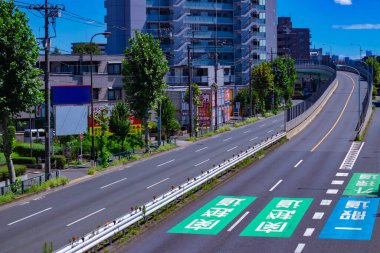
column 213, row 217
column 279, row 218
column 363, row 184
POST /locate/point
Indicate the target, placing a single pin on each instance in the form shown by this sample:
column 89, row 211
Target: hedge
column 59, row 161
column 24, row 160
column 4, row 174
column 38, row 150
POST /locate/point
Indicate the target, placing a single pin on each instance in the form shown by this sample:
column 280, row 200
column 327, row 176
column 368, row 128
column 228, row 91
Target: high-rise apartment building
column 231, row 35
column 293, row 41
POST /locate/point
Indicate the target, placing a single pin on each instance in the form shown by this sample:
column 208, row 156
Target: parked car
column 34, row 135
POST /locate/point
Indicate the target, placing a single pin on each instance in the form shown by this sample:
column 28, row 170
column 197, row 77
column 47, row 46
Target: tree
column 196, row 102
column 374, row 64
column 119, row 122
column 284, row 78
column 86, row 48
column 56, row 51
column 102, row 118
column 143, row 72
column 263, row 80
column 19, row 79
column 169, row 123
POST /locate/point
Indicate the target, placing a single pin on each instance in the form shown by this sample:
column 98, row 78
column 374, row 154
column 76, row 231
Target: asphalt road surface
column 299, row 198
column 79, row 209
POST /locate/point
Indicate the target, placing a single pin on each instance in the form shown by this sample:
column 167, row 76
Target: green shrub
column 38, row 150
column 58, row 161
column 24, row 160
column 4, row 174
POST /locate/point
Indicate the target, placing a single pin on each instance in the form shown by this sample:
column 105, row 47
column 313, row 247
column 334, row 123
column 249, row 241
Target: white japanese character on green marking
column 269, row 227
column 367, row 191
column 217, row 212
column 281, row 214
column 367, row 177
column 365, row 183
column 229, row 202
column 288, row 203
column 201, row 224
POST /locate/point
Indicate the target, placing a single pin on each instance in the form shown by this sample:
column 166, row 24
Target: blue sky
column 337, row 23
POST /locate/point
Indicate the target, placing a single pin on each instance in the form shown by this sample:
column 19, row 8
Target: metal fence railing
column 104, row 233
column 298, row 113
column 24, row 185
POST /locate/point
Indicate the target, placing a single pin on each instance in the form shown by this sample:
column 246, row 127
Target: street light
column 356, row 70
column 92, row 100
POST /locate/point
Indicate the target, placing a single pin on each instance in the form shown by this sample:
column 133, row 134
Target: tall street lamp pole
column 92, row 100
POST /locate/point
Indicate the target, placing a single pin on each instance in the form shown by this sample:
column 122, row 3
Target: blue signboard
column 71, row 95
column 352, row 219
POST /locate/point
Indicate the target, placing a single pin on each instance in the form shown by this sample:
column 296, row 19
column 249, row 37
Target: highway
column 293, row 200
column 76, row 210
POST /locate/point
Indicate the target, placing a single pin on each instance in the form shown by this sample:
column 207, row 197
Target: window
column 114, row 94
column 114, row 68
column 95, row 93
column 262, row 43
column 262, row 29
column 262, row 15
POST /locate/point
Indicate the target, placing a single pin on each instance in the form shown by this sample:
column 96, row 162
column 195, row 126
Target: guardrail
column 106, row 232
column 299, row 113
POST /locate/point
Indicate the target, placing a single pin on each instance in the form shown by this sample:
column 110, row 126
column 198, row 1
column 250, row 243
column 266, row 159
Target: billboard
column 71, row 95
column 71, row 120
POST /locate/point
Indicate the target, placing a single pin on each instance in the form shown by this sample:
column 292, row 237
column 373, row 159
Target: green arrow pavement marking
column 213, row 217
column 279, row 218
column 363, row 184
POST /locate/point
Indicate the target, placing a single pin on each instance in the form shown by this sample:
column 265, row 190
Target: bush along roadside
column 120, row 238
column 52, row 183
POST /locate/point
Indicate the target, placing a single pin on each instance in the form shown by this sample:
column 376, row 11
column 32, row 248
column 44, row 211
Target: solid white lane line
column 227, row 139
column 262, row 125
column 205, row 161
column 85, row 217
column 165, row 163
column 337, row 182
column 253, row 139
column 326, row 202
column 196, row 151
column 237, row 222
column 300, row 247
column 27, row 217
column 270, row 131
column 298, row 164
column 163, row 180
column 279, row 182
column 342, row 174
column 318, row 216
column 24, row 203
column 309, row 231
column 118, row 181
column 231, row 149
column 246, row 132
column 332, row 191
column 347, row 228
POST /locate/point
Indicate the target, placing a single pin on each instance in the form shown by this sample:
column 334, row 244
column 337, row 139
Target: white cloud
column 358, row 27
column 344, row 2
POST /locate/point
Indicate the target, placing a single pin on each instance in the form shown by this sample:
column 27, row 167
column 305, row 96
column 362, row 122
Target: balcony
column 208, row 20
column 161, row 3
column 211, row 34
column 208, row 6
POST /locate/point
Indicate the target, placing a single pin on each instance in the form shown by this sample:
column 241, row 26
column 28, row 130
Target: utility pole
column 190, row 92
column 250, row 82
column 52, row 11
column 216, row 65
column 271, row 61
